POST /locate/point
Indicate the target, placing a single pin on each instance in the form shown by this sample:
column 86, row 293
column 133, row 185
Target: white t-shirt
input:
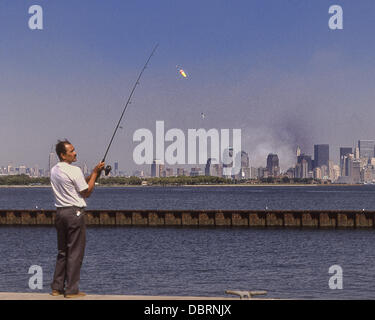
column 67, row 182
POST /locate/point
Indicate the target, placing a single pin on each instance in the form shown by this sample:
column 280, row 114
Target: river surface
column 174, row 198
column 201, row 261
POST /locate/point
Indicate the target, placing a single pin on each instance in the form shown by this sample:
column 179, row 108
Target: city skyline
column 274, row 69
column 304, row 166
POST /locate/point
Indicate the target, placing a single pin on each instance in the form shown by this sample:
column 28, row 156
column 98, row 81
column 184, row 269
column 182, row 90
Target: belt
column 71, row 207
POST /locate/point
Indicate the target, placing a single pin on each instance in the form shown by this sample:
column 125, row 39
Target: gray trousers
column 71, row 241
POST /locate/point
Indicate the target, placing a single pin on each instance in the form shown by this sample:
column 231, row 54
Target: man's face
column 70, row 155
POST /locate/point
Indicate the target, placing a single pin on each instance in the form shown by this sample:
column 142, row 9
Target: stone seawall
column 204, row 218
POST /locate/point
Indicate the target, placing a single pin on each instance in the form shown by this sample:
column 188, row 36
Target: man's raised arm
column 91, row 180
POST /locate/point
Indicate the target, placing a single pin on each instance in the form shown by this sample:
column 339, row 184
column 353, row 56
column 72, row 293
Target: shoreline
column 198, row 185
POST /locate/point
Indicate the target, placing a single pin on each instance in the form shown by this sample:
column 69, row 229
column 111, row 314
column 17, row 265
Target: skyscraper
column 348, row 160
column 156, row 168
column 298, row 151
column 116, row 169
column 344, row 151
column 208, row 168
column 366, row 148
column 228, row 158
column 356, row 153
column 321, row 155
column 213, row 169
column 305, row 169
column 356, row 171
column 244, row 160
column 161, row 169
column 273, row 165
column 307, row 158
column 52, row 161
column 245, row 166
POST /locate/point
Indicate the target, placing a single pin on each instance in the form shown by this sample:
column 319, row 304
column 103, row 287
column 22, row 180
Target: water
column 201, row 261
column 171, row 198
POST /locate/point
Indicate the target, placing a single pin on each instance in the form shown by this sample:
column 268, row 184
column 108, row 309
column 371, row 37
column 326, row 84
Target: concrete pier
column 201, row 218
column 46, row 296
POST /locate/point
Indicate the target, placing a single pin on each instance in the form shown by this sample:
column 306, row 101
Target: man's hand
column 99, row 167
column 92, row 178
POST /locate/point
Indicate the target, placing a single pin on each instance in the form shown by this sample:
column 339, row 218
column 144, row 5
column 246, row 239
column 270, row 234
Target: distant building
column 52, row 161
column 308, row 159
column 298, row 170
column 245, row 163
column 344, row 152
column 194, row 172
column 325, row 172
column 262, row 173
column 116, row 169
column 305, row 169
column 336, row 172
column 317, row 173
column 298, row 151
column 273, row 165
column 35, row 172
column 138, row 173
column 10, row 169
column 366, row 148
column 348, row 161
column 161, row 169
column 156, row 168
column 367, row 174
column 353, row 170
column 213, row 169
column 122, row 173
column 356, row 171
column 227, row 161
column 245, row 166
column 321, row 155
column 245, row 173
column 181, row 172
column 168, row 172
column 333, row 171
column 22, row 170
column 356, row 153
column 254, row 173
column 364, row 162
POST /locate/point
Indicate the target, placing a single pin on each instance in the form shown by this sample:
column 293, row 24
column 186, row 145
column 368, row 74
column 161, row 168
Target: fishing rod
column 108, row 168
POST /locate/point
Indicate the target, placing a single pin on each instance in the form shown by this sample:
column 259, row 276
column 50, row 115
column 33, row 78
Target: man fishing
column 70, row 188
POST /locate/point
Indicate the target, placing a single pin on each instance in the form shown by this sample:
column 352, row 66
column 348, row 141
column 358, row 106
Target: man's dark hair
column 60, row 147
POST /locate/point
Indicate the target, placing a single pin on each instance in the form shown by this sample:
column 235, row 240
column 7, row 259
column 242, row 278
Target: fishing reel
column 107, row 170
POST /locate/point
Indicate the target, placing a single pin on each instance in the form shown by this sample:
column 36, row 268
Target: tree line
column 23, row 180
column 180, row 180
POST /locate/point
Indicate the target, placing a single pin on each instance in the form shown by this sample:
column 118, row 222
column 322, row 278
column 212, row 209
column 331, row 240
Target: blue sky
column 272, row 68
